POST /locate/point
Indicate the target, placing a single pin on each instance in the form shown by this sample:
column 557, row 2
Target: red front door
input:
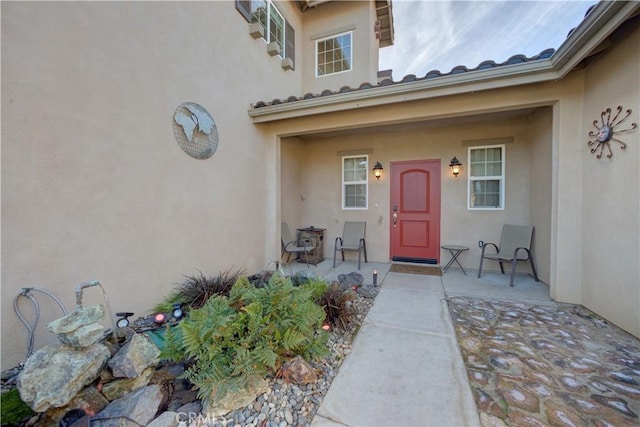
column 415, row 211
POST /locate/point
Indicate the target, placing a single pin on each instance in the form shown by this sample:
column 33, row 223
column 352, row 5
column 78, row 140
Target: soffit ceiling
column 407, row 126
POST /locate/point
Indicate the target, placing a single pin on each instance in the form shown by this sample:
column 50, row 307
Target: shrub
column 317, row 287
column 233, row 340
column 196, row 290
column 338, row 306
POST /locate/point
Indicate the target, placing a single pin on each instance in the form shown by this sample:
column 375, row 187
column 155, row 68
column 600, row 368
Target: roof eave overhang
column 472, row 81
column 593, row 30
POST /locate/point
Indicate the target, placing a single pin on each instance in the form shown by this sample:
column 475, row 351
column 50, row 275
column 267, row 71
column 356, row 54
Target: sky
column 439, row 34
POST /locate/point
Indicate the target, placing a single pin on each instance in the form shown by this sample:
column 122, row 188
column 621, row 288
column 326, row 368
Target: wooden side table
column 455, row 251
column 316, row 237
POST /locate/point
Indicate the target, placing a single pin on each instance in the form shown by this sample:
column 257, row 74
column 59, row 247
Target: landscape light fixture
column 177, row 311
column 159, row 318
column 377, row 170
column 123, row 320
column 455, row 166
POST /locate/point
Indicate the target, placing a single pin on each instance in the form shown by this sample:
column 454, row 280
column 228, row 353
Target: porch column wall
column 540, row 182
column 566, row 213
column 273, row 198
column 292, row 183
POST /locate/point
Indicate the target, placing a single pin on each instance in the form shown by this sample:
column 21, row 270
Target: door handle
column 395, row 219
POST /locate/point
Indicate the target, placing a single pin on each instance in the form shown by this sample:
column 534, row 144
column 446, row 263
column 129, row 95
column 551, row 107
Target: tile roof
column 434, row 74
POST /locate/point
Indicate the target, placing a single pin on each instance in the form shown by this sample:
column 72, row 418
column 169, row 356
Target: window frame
column 287, row 43
column 345, row 183
column 501, row 178
column 282, row 41
column 350, row 59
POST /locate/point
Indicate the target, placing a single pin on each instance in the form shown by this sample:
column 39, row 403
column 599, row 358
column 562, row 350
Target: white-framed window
column 334, row 54
column 485, row 186
column 260, row 13
column 276, row 28
column 355, row 185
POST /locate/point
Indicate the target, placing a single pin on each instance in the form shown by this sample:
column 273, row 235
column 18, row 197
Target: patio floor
column 492, row 284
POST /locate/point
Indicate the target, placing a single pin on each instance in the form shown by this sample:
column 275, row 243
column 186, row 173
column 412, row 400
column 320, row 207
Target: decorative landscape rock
column 118, row 388
column 89, row 399
column 166, row 419
column 53, row 375
column 79, row 328
column 302, row 277
column 84, row 336
column 367, row 292
column 166, row 380
column 281, row 404
column 298, row 371
column 134, row 357
column 140, row 407
column 348, row 281
column 234, row 399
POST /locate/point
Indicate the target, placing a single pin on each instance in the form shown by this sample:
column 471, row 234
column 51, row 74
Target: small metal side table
column 455, row 251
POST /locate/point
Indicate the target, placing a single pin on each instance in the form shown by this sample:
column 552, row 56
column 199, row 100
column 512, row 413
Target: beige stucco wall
column 553, row 200
column 322, row 180
column 94, row 185
column 540, row 184
column 293, row 173
column 335, row 18
column 611, row 202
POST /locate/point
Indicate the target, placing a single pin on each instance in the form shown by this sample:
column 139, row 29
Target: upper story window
column 276, row 28
column 259, row 13
column 334, row 54
column 354, row 182
column 486, row 178
column 272, row 28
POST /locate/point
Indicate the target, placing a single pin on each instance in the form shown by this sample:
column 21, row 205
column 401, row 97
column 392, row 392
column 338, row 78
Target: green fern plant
column 317, row 286
column 232, row 341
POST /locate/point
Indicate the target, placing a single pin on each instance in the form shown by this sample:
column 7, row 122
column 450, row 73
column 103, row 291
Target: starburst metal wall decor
column 606, row 129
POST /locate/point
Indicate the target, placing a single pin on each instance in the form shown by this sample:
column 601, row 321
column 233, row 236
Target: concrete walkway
column 405, row 368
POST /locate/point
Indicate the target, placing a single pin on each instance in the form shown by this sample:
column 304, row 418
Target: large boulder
column 134, row 357
column 53, row 375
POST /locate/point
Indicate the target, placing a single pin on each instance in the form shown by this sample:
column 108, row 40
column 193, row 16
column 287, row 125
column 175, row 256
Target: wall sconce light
column 455, row 166
column 377, row 170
